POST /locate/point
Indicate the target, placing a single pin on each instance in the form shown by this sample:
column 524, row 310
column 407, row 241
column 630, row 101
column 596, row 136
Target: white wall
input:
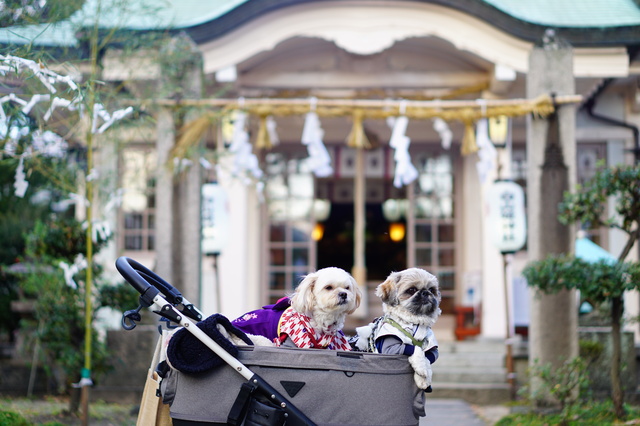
column 238, row 263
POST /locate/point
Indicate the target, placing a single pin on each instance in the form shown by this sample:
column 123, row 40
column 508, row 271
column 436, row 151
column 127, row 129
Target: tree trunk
column 74, row 401
column 617, row 394
column 617, row 307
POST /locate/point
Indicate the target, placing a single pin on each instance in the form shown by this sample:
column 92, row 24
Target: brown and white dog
column 411, row 304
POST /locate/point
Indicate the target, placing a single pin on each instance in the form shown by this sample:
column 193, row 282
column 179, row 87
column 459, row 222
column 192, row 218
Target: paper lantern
column 507, row 217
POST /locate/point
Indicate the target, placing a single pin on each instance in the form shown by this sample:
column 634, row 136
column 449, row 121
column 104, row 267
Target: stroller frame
column 336, row 387
column 155, row 299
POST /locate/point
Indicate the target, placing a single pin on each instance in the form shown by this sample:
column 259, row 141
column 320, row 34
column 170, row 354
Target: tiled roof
column 60, row 34
column 572, row 13
column 185, row 14
column 134, row 15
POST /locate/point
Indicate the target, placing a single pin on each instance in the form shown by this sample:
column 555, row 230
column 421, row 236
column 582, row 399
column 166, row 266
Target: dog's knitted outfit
column 263, row 322
column 410, row 335
column 279, row 321
column 390, row 336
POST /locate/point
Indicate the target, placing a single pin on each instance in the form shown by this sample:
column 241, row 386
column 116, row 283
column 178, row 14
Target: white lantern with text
column 507, row 217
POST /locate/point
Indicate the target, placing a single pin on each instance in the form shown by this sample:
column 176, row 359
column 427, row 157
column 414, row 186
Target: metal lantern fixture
column 507, row 224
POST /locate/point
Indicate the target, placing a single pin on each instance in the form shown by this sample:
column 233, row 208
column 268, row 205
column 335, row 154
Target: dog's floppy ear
column 387, row 291
column 358, row 293
column 303, row 299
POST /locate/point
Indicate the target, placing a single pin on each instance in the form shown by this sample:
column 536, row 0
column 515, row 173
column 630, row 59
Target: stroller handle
column 142, row 279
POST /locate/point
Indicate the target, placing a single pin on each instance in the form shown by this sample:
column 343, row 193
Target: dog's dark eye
column 329, row 287
column 411, row 290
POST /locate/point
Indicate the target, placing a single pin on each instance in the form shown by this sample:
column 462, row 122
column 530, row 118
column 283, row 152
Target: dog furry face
column 329, row 291
column 413, row 291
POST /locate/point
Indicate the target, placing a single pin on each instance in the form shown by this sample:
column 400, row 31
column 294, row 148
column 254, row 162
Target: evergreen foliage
column 602, row 281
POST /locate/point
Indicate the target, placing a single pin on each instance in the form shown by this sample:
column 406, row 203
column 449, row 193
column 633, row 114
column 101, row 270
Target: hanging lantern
column 226, row 126
column 499, row 130
column 318, row 232
column 507, row 218
column 397, row 231
column 321, row 209
column 392, row 210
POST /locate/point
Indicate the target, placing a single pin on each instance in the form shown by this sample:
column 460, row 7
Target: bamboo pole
column 85, row 375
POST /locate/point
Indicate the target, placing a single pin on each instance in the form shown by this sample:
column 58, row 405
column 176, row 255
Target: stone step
column 472, row 346
column 479, row 360
column 474, row 393
column 449, row 412
column 469, row 374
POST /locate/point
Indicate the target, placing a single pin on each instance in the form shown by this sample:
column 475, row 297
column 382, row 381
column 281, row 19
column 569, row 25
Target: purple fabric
column 263, row 322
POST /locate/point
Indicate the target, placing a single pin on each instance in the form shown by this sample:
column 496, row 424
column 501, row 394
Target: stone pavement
column 457, row 412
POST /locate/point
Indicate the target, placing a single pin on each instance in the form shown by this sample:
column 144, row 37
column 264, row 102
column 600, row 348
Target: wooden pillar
column 164, row 232
column 551, row 164
column 178, row 190
column 189, row 204
column 359, row 270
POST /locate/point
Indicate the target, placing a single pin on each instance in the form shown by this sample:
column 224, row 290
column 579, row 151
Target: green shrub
column 568, row 384
column 60, row 321
column 9, row 418
column 590, row 350
column 591, row 414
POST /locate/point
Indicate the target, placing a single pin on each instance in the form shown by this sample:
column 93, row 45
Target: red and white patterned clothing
column 297, row 327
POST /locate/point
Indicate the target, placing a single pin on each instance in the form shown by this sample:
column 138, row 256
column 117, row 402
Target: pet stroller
column 324, row 387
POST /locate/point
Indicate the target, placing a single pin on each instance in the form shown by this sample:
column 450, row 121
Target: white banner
column 215, row 218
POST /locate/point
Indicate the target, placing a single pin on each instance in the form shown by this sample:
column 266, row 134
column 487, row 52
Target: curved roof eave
column 527, row 31
column 380, row 25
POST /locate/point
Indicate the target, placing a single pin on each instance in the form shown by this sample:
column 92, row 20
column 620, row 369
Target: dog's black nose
column 425, row 294
column 342, row 295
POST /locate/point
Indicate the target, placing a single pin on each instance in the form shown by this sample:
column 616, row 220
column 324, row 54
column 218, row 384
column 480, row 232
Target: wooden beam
column 342, row 79
column 502, row 79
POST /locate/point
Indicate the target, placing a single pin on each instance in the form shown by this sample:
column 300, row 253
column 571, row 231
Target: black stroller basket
column 257, row 403
column 332, row 387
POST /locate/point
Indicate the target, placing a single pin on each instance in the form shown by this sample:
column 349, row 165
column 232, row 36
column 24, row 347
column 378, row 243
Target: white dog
column 312, row 317
column 411, row 302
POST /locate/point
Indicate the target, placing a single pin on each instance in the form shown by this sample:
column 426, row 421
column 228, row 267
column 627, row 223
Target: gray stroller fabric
column 330, row 387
